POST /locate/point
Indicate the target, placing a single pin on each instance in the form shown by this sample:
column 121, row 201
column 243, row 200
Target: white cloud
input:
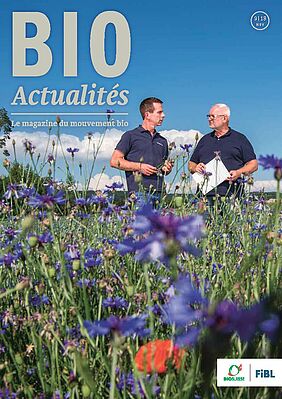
column 266, row 185
column 99, row 181
column 103, row 144
column 181, row 136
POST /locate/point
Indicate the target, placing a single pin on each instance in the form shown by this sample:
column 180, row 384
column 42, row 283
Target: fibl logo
column 264, row 373
column 233, row 372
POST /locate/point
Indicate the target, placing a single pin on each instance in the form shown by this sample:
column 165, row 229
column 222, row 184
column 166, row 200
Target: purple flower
column 164, row 236
column 27, row 192
column 29, row 147
column 186, row 305
column 186, row 147
column 116, row 303
column 86, row 283
column 45, row 238
column 109, row 113
column 115, row 186
column 72, row 151
column 12, row 191
column 38, row 300
column 127, row 326
column 81, row 201
column 224, row 318
column 191, row 313
column 270, row 162
column 7, row 259
column 47, row 200
column 129, row 381
column 72, row 253
column 50, row 159
column 93, row 257
column 271, row 326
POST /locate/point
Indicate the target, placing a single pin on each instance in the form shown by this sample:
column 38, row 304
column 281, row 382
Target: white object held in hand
column 215, row 174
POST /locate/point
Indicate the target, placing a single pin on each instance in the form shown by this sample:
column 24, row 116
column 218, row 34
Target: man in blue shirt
column 234, row 149
column 142, row 152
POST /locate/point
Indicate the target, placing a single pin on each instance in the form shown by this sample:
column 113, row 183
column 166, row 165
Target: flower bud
column 86, row 391
column 27, row 222
column 278, row 173
column 24, row 283
column 32, row 241
column 178, row 201
column 76, row 264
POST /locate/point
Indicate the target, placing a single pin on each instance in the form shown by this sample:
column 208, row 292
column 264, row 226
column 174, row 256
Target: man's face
column 157, row 116
column 217, row 119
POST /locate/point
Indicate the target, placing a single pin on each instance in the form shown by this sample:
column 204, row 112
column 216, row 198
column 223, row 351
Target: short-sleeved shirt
column 235, row 151
column 138, row 145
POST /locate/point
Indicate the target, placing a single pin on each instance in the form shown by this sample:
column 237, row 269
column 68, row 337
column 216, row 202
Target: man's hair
column 224, row 107
column 147, row 105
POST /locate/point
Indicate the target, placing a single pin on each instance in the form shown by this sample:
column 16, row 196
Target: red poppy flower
column 153, row 357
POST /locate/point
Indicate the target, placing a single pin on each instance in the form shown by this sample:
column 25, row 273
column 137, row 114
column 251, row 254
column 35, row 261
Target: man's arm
column 118, row 161
column 248, row 168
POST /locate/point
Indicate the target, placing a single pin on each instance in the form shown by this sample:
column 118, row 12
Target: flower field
column 107, row 300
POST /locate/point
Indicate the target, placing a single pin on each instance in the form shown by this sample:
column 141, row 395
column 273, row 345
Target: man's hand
column 200, row 168
column 234, row 175
column 147, row 169
column 167, row 167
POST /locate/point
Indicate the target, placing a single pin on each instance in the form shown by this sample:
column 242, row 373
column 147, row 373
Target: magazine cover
column 140, row 234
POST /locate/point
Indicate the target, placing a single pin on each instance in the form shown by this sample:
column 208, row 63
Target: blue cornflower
column 186, row 147
column 109, row 113
column 93, row 257
column 271, row 327
column 85, row 282
column 270, row 162
column 72, row 253
column 7, row 394
column 13, row 190
column 38, row 300
column 128, row 326
column 116, row 303
column 7, row 259
column 29, row 147
column 83, row 215
column 128, row 380
column 191, row 313
column 187, row 310
column 50, row 159
column 26, row 192
column 97, row 200
column 72, row 151
column 45, row 238
column 47, row 200
column 81, row 201
column 11, row 233
column 115, row 186
column 164, row 236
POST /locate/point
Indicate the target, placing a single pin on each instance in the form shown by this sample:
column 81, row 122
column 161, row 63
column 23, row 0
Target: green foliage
column 6, row 128
column 22, row 175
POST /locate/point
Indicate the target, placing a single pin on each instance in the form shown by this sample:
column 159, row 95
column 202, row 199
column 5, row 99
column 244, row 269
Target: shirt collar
column 224, row 135
column 142, row 130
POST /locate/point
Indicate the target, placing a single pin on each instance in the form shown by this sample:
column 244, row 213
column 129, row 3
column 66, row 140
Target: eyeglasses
column 213, row 116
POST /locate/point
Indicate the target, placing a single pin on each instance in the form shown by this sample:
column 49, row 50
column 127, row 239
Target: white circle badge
column 260, row 20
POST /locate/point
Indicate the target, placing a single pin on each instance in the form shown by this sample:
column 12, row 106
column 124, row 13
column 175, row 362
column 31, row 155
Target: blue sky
column 190, row 54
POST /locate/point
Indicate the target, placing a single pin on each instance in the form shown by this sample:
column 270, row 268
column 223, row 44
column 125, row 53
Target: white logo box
column 249, row 372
